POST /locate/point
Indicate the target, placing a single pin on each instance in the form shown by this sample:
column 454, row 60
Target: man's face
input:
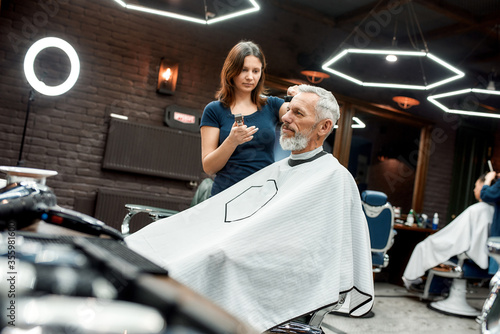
column 477, row 189
column 299, row 124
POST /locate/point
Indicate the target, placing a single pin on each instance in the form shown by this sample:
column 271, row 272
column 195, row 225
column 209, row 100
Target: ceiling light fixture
column 491, row 85
column 392, row 58
column 405, row 102
column 421, row 55
column 209, row 16
column 358, row 124
column 315, row 77
column 434, row 99
column 491, row 82
column 458, row 74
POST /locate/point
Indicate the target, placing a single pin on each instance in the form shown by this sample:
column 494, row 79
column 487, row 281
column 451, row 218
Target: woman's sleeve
column 491, row 194
column 209, row 117
column 275, row 103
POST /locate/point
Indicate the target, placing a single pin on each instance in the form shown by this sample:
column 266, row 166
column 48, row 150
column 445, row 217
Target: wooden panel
column 422, row 165
column 343, row 135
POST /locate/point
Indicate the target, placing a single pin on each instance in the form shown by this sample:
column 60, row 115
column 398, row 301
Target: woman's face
column 250, row 74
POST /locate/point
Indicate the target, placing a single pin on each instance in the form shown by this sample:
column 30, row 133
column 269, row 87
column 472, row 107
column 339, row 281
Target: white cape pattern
column 279, row 244
column 467, row 233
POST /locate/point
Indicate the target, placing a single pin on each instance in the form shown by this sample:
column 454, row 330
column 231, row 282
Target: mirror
column 384, row 157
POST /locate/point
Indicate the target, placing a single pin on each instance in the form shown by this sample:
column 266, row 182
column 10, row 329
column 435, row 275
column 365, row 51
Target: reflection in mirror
column 384, row 157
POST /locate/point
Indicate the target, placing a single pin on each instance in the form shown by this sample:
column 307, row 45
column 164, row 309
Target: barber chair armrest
column 160, row 214
column 154, row 212
column 313, row 326
column 318, row 316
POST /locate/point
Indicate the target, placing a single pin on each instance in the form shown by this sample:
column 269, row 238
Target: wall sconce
column 167, row 77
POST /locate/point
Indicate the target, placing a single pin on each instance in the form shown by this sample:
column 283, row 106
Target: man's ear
column 325, row 127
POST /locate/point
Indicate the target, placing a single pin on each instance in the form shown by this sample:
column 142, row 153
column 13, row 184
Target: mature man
column 281, row 243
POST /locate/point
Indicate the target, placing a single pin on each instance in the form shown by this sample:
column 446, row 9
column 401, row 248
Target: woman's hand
column 241, row 134
column 292, row 90
column 489, row 177
column 214, row 156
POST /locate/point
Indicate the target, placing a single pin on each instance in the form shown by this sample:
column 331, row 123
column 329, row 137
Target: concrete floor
column 398, row 311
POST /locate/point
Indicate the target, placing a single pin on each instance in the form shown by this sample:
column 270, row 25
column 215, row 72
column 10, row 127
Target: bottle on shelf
column 435, row 221
column 410, row 219
column 422, row 220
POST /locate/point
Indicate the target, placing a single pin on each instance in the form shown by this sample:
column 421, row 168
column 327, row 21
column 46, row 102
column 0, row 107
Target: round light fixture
column 29, row 66
column 391, row 58
column 405, row 102
column 315, row 76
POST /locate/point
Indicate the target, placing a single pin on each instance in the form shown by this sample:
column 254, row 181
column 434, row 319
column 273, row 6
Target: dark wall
column 119, row 51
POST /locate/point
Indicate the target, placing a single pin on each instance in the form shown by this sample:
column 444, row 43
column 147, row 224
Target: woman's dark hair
column 233, row 67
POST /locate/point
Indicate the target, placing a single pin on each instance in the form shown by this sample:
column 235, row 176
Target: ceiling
column 463, row 33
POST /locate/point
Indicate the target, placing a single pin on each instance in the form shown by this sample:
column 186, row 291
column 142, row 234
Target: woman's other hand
column 489, row 178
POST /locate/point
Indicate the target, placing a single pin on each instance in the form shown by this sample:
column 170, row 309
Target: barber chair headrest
column 374, row 198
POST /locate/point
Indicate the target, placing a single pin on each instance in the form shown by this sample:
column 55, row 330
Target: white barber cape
column 467, row 233
column 281, row 243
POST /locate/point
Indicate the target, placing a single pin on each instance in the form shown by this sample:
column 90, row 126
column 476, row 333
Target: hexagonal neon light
column 124, row 3
column 458, row 74
column 357, row 124
column 433, row 99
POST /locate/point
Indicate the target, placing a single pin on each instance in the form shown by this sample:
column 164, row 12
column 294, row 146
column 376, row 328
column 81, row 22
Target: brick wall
column 119, row 52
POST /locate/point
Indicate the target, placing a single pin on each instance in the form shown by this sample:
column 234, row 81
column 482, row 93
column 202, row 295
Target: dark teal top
column 248, row 157
column 491, row 194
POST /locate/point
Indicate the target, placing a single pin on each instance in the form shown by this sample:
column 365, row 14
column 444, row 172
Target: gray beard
column 296, row 143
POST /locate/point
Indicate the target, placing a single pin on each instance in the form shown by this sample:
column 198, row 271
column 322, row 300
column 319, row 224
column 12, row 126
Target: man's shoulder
column 329, row 159
column 479, row 208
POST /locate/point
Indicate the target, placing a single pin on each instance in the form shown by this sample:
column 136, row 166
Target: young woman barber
column 233, row 151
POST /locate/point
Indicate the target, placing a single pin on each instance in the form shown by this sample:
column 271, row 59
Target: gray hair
column 327, row 106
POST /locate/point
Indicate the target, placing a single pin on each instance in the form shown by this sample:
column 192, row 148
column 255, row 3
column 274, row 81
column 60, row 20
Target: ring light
column 29, row 66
